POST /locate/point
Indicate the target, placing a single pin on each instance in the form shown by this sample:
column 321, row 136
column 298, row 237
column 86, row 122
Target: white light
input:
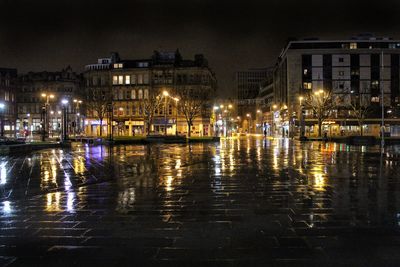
column 2, row 105
column 64, row 101
column 6, row 207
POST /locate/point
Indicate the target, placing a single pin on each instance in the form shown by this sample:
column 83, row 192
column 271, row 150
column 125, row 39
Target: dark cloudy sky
column 233, row 35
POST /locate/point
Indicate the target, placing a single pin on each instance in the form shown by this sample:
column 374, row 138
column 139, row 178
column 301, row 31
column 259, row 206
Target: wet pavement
column 240, row 202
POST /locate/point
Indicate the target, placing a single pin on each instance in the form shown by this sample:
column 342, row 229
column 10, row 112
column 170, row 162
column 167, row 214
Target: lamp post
column 176, row 115
column 110, row 121
column 165, row 94
column 248, row 115
column 64, row 103
column 2, row 107
column 45, row 120
column 258, row 113
column 302, row 126
column 274, row 107
column 77, row 114
column 215, row 108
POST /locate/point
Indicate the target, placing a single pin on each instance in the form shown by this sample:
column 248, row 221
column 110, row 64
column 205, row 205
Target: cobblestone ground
column 240, row 202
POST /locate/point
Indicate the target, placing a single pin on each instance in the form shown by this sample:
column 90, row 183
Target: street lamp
column 176, row 114
column 165, row 94
column 2, row 107
column 248, row 115
column 64, row 103
column 45, row 120
column 77, row 119
column 302, row 126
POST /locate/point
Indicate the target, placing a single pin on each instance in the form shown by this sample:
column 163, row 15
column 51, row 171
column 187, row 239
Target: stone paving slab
column 229, row 204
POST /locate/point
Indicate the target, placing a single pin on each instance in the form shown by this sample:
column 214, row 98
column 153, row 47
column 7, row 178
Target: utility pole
column 382, row 105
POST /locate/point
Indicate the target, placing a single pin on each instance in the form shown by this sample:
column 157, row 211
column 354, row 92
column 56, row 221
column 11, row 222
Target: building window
column 133, row 94
column 353, row 45
column 120, row 79
column 120, row 94
column 341, row 86
column 133, row 79
column 375, row 99
column 127, row 79
column 341, row 73
column 140, row 79
column 341, row 59
column 146, row 94
column 115, row 79
column 140, row 94
column 118, row 66
column 392, row 46
column 305, row 71
column 146, row 78
column 307, row 86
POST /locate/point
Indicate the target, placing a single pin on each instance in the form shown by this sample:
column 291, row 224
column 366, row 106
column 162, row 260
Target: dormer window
column 353, row 45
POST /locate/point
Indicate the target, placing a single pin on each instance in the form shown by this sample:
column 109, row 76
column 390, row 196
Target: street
column 248, row 201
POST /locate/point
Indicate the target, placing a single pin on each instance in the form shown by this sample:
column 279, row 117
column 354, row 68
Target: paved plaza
column 240, row 202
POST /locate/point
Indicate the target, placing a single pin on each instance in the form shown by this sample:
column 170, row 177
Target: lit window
column 307, row 85
column 353, row 45
column 127, row 79
column 146, row 94
column 120, row 79
column 140, row 94
column 115, row 79
column 140, row 79
column 115, row 66
column 133, row 79
column 305, row 71
column 375, row 99
column 133, row 94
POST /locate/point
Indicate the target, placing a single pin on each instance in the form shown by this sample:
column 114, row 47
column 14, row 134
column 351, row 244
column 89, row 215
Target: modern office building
column 132, row 85
column 265, row 108
column 8, row 91
column 361, row 71
column 248, row 88
column 39, row 102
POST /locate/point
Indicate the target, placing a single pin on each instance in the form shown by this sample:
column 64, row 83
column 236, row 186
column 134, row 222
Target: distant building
column 64, row 84
column 130, row 82
column 265, row 108
column 357, row 68
column 248, row 88
column 8, row 90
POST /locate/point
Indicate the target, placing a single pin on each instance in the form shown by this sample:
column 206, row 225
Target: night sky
column 234, row 35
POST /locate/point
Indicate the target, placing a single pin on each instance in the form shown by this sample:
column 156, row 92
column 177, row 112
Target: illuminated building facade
column 131, row 83
column 8, row 91
column 38, row 90
column 362, row 68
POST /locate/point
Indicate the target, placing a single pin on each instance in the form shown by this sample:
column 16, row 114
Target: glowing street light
column 2, row 107
column 64, row 103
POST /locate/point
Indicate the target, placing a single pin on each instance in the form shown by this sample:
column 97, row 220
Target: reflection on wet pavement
column 241, row 201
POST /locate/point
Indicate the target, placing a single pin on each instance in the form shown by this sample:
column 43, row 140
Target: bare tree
column 192, row 104
column 97, row 103
column 151, row 102
column 321, row 104
column 360, row 105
